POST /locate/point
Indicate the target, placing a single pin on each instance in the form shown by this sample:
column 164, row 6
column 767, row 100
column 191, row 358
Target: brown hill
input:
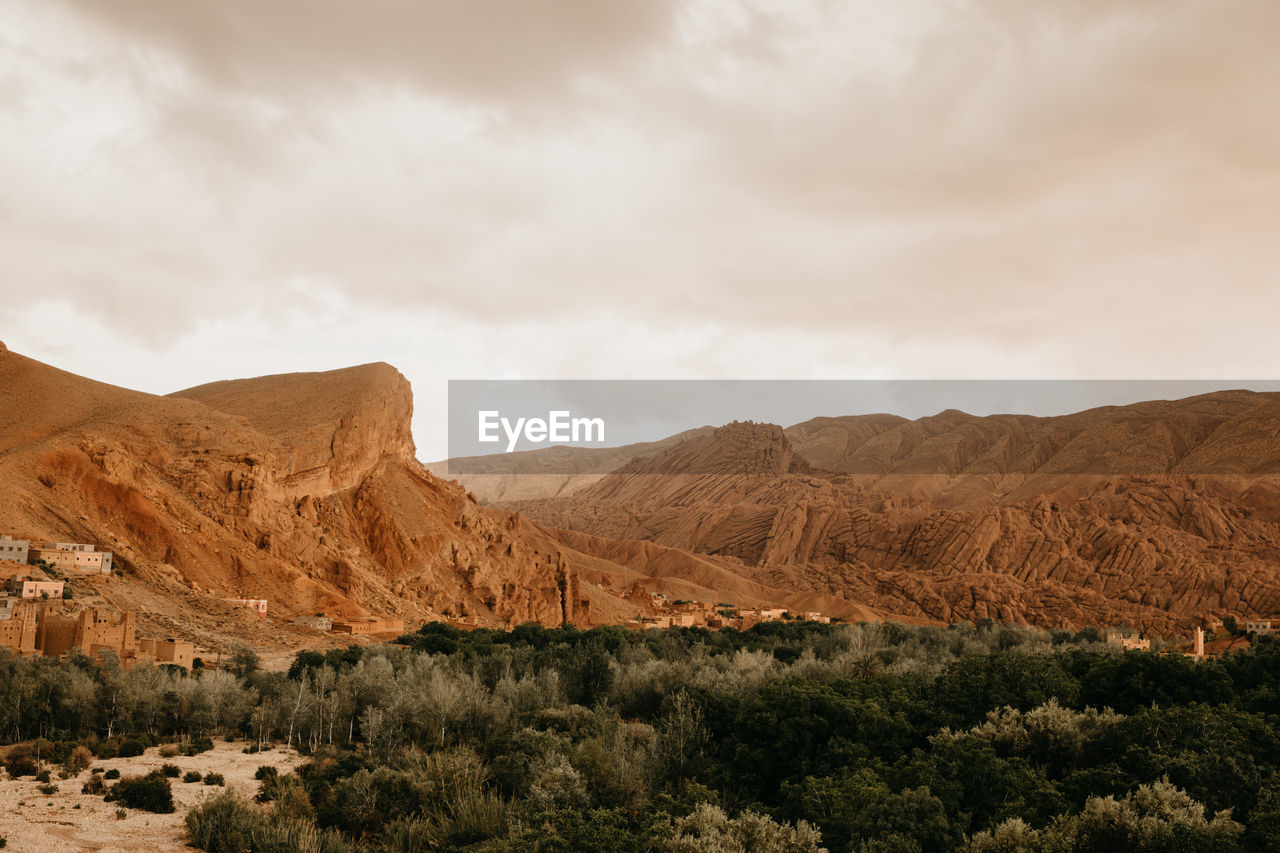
column 546, row 473
column 302, row 489
column 1154, row 515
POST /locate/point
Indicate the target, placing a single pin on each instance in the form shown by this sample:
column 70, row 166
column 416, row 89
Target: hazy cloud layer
column 644, row 188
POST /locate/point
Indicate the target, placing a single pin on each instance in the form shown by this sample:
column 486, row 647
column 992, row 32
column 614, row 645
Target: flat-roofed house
column 171, row 652
column 30, row 588
column 14, row 549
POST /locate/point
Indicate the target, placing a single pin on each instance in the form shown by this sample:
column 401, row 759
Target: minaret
column 1199, row 646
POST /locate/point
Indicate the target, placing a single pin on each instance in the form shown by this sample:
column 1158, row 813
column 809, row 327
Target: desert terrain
column 69, row 820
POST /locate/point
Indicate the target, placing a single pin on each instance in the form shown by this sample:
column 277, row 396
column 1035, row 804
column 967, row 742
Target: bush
column 214, row 779
column 150, row 793
column 169, row 750
column 172, row 771
column 48, row 790
column 21, row 762
column 113, row 773
column 96, row 770
column 121, row 814
column 131, row 748
column 94, row 785
column 197, row 745
column 192, row 776
column 265, row 771
column 223, row 824
column 78, row 760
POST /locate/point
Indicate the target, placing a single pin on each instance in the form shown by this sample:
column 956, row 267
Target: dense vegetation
column 787, row 737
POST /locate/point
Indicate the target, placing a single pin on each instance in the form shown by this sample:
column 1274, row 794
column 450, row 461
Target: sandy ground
column 72, row 821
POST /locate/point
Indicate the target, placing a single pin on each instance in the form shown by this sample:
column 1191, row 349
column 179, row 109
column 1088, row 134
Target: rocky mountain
column 546, row 473
column 303, row 489
column 1155, row 515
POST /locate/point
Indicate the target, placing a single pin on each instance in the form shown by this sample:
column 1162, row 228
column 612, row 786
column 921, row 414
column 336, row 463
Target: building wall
column 90, row 630
column 68, row 560
column 258, row 605
column 370, row 626
column 170, row 652
column 88, row 562
column 14, row 549
column 62, row 560
column 320, row 623
column 28, row 588
column 18, row 625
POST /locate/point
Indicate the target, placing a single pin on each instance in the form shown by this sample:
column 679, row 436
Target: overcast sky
column 640, row 189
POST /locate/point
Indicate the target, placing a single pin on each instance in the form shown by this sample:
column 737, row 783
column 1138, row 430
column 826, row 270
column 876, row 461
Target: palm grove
column 787, row 737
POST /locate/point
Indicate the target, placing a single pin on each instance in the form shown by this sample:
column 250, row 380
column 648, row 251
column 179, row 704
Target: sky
column 640, row 189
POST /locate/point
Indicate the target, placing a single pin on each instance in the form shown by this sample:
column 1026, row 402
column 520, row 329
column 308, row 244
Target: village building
column 25, row 587
column 751, row 618
column 257, row 605
column 14, row 549
column 69, row 557
column 170, row 652
column 1128, row 642
column 1261, row 626
column 369, row 625
column 700, row 610
column 319, row 622
column 91, row 630
column 18, row 625
column 814, row 616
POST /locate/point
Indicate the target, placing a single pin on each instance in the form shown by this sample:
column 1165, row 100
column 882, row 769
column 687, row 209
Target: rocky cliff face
column 302, row 489
column 1155, row 515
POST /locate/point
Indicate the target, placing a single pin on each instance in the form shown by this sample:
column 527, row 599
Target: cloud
column 468, row 49
column 1088, row 185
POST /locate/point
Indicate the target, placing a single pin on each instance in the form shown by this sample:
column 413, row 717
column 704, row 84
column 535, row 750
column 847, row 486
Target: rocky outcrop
column 302, row 489
column 1155, row 515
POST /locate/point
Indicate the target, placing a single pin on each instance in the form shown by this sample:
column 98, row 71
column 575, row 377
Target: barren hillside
column 1155, row 515
column 302, row 489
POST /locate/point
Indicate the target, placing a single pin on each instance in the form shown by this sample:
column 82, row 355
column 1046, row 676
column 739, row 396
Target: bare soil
column 71, row 821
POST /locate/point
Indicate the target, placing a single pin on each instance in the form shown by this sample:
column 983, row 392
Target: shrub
column 42, row 776
column 192, row 776
column 48, row 789
column 121, row 814
column 223, row 824
column 113, row 773
column 94, row 785
column 3, row 841
column 131, row 748
column 265, row 771
column 172, row 771
column 169, row 750
column 78, row 760
column 197, row 745
column 214, row 779
column 96, row 770
column 21, row 762
column 150, row 793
